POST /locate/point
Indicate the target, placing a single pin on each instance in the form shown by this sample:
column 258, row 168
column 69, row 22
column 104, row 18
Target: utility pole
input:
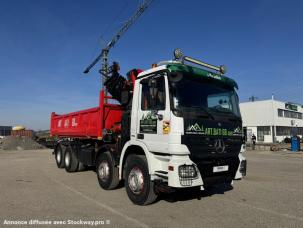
column 103, row 56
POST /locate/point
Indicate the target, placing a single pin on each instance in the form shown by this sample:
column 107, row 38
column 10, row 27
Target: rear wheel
column 107, row 173
column 70, row 160
column 139, row 187
column 81, row 167
column 59, row 155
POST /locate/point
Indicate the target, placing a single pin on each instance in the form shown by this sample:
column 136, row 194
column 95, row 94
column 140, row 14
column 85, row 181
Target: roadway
column 33, row 188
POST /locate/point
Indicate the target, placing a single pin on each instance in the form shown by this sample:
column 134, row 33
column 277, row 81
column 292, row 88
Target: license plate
column 218, row 169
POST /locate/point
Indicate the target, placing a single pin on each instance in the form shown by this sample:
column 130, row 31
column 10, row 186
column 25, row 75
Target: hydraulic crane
column 103, row 56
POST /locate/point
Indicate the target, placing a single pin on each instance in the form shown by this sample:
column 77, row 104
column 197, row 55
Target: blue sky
column 46, row 44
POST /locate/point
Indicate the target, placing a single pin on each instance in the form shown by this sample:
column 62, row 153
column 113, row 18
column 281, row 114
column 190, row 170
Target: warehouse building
column 271, row 120
column 5, row 130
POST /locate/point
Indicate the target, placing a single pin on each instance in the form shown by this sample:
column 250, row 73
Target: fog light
column 186, row 174
column 222, row 69
column 178, row 53
column 187, row 171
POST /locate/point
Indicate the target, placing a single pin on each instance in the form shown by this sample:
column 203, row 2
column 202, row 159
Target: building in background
column 271, row 120
column 5, row 130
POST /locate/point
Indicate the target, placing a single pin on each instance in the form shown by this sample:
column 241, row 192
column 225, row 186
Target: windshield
column 194, row 93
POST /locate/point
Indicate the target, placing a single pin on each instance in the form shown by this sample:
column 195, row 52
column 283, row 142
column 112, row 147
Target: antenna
column 103, row 56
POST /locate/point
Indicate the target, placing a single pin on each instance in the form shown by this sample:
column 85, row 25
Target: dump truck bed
column 87, row 123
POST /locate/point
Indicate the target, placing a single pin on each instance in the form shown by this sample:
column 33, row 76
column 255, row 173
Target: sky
column 46, row 44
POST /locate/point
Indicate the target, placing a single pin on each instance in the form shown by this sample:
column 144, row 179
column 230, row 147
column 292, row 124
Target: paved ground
column 33, row 188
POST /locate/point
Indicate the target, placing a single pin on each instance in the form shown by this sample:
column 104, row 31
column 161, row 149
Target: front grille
column 205, row 167
column 202, row 147
column 204, row 154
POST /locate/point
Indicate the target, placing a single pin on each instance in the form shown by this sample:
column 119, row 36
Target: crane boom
column 104, row 53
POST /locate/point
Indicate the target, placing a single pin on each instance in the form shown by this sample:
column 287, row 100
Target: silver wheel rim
column 58, row 157
column 136, row 180
column 103, row 171
column 67, row 159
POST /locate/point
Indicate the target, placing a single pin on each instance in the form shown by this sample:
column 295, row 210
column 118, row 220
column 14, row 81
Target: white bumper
column 174, row 179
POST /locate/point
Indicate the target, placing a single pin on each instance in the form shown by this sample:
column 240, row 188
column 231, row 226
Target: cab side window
column 153, row 93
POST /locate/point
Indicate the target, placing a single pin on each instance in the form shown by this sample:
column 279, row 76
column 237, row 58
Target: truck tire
column 70, row 160
column 139, row 187
column 81, row 167
column 107, row 173
column 59, row 156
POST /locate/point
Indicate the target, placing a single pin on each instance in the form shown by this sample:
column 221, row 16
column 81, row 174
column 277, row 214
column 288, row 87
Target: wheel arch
column 101, row 150
column 105, row 148
column 132, row 148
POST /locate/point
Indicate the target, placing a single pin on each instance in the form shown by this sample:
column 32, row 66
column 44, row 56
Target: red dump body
column 87, row 123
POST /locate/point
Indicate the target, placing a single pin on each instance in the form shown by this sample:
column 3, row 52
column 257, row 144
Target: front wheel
column 139, row 187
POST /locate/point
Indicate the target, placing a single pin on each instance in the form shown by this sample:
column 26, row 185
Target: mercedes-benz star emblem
column 219, row 146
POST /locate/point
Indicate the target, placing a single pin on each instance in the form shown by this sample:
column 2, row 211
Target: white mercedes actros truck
column 176, row 125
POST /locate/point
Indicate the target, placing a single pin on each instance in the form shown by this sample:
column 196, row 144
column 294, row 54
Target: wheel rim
column 103, row 171
column 67, row 159
column 58, row 157
column 136, row 180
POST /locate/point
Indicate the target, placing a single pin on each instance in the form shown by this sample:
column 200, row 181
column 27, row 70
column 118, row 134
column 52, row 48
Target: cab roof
column 179, row 67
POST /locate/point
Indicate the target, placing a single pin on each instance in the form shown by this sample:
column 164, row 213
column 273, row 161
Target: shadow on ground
column 185, row 194
column 194, row 193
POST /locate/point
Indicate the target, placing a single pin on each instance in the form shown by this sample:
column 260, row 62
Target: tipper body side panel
column 87, row 123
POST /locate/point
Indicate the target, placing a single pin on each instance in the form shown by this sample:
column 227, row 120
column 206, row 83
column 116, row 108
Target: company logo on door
column 148, row 123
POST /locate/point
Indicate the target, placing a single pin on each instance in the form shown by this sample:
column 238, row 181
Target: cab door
column 154, row 113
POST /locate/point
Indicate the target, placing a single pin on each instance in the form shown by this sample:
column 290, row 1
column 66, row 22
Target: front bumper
column 204, row 171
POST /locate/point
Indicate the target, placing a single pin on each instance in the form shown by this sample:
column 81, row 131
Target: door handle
column 159, row 116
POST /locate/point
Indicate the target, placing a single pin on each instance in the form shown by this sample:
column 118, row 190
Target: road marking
column 103, row 205
column 264, row 210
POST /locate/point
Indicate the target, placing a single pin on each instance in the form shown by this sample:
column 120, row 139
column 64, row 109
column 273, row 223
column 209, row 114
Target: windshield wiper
column 223, row 110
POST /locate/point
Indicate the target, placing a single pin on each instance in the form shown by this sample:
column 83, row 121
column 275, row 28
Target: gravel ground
column 19, row 143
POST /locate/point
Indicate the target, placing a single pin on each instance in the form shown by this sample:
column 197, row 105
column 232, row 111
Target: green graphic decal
column 201, row 130
column 148, row 123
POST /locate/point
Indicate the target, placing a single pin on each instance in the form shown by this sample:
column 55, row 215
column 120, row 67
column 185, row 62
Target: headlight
column 178, row 53
column 186, row 174
column 187, row 171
